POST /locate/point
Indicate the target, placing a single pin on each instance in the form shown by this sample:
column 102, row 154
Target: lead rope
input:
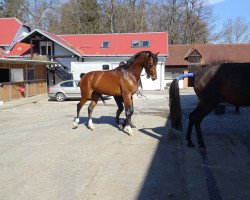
column 139, row 92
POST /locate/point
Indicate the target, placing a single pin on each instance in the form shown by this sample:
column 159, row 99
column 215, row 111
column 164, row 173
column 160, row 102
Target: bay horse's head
column 150, row 64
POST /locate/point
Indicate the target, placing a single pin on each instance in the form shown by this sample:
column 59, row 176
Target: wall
column 59, row 50
column 95, row 63
column 10, row 90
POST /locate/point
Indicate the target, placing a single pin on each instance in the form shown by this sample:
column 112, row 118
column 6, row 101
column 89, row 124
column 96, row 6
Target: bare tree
column 13, row 8
column 123, row 16
column 186, row 21
column 197, row 16
column 38, row 12
column 235, row 31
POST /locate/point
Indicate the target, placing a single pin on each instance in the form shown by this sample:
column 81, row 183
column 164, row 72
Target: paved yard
column 42, row 157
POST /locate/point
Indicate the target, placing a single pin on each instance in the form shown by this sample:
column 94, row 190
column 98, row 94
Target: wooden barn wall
column 10, row 90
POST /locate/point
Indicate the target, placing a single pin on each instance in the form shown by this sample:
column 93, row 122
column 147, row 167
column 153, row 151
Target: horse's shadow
column 99, row 120
column 157, row 132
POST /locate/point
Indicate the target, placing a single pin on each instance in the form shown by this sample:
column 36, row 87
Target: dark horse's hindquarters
column 228, row 82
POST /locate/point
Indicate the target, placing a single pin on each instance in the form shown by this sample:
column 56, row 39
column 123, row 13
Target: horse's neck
column 135, row 69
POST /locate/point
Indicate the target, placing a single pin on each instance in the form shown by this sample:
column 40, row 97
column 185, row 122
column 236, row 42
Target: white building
column 82, row 53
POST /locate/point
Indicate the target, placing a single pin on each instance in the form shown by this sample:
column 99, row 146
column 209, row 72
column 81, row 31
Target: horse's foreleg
column 92, row 105
column 128, row 114
column 79, row 107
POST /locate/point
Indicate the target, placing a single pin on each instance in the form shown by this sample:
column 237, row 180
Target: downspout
column 26, row 82
column 161, row 76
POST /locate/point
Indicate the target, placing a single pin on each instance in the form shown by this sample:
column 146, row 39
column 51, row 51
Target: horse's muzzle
column 153, row 78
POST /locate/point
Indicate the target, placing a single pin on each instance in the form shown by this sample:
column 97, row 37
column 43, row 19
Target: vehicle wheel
column 60, row 96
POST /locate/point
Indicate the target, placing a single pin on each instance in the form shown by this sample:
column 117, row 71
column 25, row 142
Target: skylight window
column 136, row 44
column 140, row 44
column 105, row 44
column 145, row 43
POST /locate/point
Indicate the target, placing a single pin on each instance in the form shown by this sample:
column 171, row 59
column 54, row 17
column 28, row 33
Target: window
column 105, row 67
column 136, row 44
column 45, row 47
column 77, row 83
column 30, row 74
column 17, row 75
column 43, row 50
column 105, row 44
column 145, row 43
column 67, row 84
column 141, row 44
column 4, row 75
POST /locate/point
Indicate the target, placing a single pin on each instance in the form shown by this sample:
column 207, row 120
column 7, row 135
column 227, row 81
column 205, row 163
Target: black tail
column 175, row 105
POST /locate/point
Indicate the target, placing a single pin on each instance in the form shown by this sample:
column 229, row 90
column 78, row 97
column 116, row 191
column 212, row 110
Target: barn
column 80, row 53
column 22, row 78
column 184, row 58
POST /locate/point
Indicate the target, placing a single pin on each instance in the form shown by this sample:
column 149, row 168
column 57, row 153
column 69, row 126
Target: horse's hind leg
column 79, row 107
column 119, row 103
column 91, row 107
column 103, row 99
column 196, row 118
column 132, row 112
column 189, row 132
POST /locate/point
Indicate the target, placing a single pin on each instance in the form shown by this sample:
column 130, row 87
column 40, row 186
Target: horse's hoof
column 131, row 134
column 75, row 125
column 92, row 128
column 203, row 150
column 190, row 144
column 128, row 130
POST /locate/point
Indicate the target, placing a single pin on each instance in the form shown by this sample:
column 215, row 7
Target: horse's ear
column 157, row 53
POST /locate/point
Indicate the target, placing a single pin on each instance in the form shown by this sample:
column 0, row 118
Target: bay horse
column 121, row 81
column 216, row 83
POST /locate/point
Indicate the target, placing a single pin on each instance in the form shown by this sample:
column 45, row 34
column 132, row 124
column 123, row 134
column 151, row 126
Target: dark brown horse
column 121, row 81
column 228, row 82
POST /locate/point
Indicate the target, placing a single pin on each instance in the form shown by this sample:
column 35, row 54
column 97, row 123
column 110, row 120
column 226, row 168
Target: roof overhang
column 31, row 62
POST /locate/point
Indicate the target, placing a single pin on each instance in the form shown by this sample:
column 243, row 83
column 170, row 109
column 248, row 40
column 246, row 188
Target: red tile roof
column 20, row 49
column 120, row 44
column 210, row 53
column 8, row 30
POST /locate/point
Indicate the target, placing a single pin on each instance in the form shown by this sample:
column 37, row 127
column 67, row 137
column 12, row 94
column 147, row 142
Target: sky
column 224, row 9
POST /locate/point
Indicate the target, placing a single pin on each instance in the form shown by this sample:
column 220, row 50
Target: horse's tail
column 175, row 105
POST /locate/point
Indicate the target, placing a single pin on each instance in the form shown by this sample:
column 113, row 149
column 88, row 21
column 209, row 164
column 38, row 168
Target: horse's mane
column 134, row 57
column 123, row 65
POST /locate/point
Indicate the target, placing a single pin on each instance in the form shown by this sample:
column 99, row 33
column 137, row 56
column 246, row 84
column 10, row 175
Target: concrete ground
column 43, row 158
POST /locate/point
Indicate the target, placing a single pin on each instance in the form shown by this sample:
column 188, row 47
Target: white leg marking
column 128, row 130
column 90, row 124
column 75, row 123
